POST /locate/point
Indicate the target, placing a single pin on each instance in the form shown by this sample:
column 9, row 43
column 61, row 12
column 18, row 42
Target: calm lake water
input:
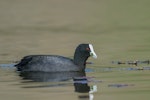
column 97, row 83
column 118, row 29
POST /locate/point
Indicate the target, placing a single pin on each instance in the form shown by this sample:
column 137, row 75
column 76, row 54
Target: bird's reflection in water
column 80, row 81
column 50, row 76
column 81, row 86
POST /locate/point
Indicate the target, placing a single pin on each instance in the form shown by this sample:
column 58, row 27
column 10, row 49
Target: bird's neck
column 80, row 60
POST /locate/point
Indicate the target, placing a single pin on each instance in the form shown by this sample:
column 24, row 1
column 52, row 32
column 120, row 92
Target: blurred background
column 118, row 29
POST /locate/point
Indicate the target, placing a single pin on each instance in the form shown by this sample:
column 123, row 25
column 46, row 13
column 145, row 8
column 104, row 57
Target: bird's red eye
column 88, row 49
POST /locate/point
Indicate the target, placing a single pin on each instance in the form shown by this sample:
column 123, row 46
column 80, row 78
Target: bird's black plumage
column 55, row 63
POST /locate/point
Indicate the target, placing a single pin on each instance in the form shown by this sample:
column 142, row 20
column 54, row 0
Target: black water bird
column 55, row 63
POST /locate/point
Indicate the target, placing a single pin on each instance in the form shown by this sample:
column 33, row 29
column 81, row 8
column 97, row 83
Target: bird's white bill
column 92, row 53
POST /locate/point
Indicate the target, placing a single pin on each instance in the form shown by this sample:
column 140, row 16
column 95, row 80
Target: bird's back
column 47, row 63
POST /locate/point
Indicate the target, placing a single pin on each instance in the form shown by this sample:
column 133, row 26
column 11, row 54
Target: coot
column 55, row 63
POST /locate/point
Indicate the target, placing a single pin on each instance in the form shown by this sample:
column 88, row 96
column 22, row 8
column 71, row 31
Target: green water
column 118, row 29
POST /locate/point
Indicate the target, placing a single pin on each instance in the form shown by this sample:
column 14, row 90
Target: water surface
column 98, row 83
